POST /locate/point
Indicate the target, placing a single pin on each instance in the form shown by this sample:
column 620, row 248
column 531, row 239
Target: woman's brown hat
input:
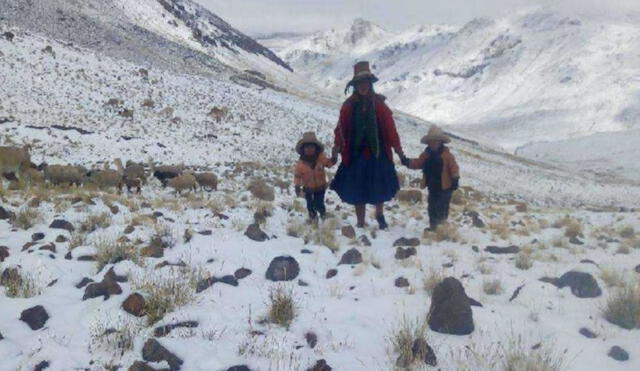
column 435, row 133
column 309, row 138
column 361, row 71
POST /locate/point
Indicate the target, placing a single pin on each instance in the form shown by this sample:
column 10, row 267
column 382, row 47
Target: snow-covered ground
column 68, row 102
column 535, row 76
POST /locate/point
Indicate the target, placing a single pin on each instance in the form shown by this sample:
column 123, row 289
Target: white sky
column 264, row 16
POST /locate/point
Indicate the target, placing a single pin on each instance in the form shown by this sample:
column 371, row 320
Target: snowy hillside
column 237, row 278
column 528, row 78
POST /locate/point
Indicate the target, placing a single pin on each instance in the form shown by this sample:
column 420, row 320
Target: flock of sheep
column 16, row 161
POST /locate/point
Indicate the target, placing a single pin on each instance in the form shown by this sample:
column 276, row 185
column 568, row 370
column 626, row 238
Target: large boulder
column 582, row 284
column 283, row 268
column 450, row 311
column 35, row 317
column 134, row 304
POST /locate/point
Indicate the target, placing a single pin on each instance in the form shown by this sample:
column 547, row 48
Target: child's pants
column 315, row 203
column 438, row 206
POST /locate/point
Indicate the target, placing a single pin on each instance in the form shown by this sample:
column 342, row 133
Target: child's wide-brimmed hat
column 309, row 138
column 435, row 133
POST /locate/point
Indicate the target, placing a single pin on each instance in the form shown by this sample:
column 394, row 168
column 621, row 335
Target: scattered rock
column 37, row 236
column 348, row 232
column 589, row 261
column 582, row 284
column 28, row 245
column 421, row 350
column 62, row 224
column 402, row 282
column 129, row 229
column 9, row 36
column 239, row 368
column 402, row 253
column 411, row 196
column 207, row 232
column 140, row 366
column 302, row 283
column 351, row 257
column 255, row 233
column 107, row 287
column 331, row 273
column 166, row 330
column 364, row 241
column 515, row 293
column 153, row 351
column 575, row 240
column 450, row 311
column 637, row 268
column 5, row 214
column 475, row 218
column 283, row 268
column 242, row 273
column 413, row 242
column 41, row 366
column 111, row 274
column 588, row 333
column 84, row 282
column 35, row 317
column 153, row 250
column 502, row 250
column 312, row 339
column 4, row 253
column 1, row 337
column 618, row 354
column 61, row 239
column 321, row 365
column 134, row 304
column 114, row 209
column 261, row 190
column 229, row 280
column 50, row 247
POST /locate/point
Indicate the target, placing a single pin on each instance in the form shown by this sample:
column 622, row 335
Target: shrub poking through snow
column 26, row 217
column 612, row 277
column 523, row 261
column 163, row 236
column 517, row 356
column 282, row 307
column 18, row 284
column 408, row 347
column 623, row 307
column 115, row 336
column 164, row 292
column 326, row 234
column 110, row 251
column 492, row 287
column 432, row 279
column 95, row 221
column 77, row 239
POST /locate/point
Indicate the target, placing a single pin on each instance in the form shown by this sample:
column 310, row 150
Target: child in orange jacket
column 440, row 174
column 309, row 174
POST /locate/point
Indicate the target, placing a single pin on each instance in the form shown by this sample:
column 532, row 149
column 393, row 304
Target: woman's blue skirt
column 366, row 180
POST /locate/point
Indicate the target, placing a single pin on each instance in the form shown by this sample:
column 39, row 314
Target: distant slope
column 532, row 77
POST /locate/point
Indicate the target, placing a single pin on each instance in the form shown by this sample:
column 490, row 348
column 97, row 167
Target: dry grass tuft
column 523, row 261
column 401, row 344
column 492, row 287
column 95, row 221
column 109, row 251
column 518, row 357
column 27, row 217
column 623, row 307
column 282, row 307
column 612, row 277
column 18, row 284
column 432, row 279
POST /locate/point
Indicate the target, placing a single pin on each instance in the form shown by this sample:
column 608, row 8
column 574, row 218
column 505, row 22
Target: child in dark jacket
column 440, row 174
column 309, row 173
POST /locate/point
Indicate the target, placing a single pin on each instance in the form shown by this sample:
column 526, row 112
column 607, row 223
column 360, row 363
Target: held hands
column 298, row 191
column 405, row 161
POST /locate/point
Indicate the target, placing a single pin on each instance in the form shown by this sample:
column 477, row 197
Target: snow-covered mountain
column 532, row 77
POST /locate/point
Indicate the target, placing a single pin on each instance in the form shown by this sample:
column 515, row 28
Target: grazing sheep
column 64, row 174
column 133, row 170
column 14, row 160
column 183, row 182
column 130, row 183
column 283, row 185
column 207, row 180
column 105, row 178
column 165, row 172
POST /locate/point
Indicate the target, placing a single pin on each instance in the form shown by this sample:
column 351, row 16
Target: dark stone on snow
column 62, row 224
column 582, row 284
column 588, row 261
column 402, row 253
column 475, row 218
column 331, row 273
column 52, row 283
column 637, row 269
column 242, row 273
column 153, row 351
column 140, row 366
column 312, row 339
column 28, row 245
column 87, row 258
column 229, row 280
column 422, row 351
column 239, row 368
column 450, row 311
column 351, row 257
column 84, row 282
column 129, row 229
column 208, row 232
column 4, row 253
column 37, row 236
column 321, row 365
column 5, row 214
column 618, row 354
column 413, row 242
column 107, row 287
column 134, row 304
column 348, row 232
column 68, row 256
column 61, row 239
column 588, row 333
column 475, row 249
column 364, row 240
column 111, row 274
column 575, row 240
column 35, row 317
column 41, row 366
column 166, row 330
column 208, row 282
column 306, row 251
column 401, row 282
column 283, row 268
column 515, row 293
column 50, row 247
column 502, row 250
column 255, row 233
column 1, row 337
column 302, row 283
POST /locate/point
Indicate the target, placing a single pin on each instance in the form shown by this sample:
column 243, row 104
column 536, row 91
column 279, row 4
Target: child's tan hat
column 309, row 138
column 435, row 133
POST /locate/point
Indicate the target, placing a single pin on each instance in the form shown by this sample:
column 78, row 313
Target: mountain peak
column 362, row 29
